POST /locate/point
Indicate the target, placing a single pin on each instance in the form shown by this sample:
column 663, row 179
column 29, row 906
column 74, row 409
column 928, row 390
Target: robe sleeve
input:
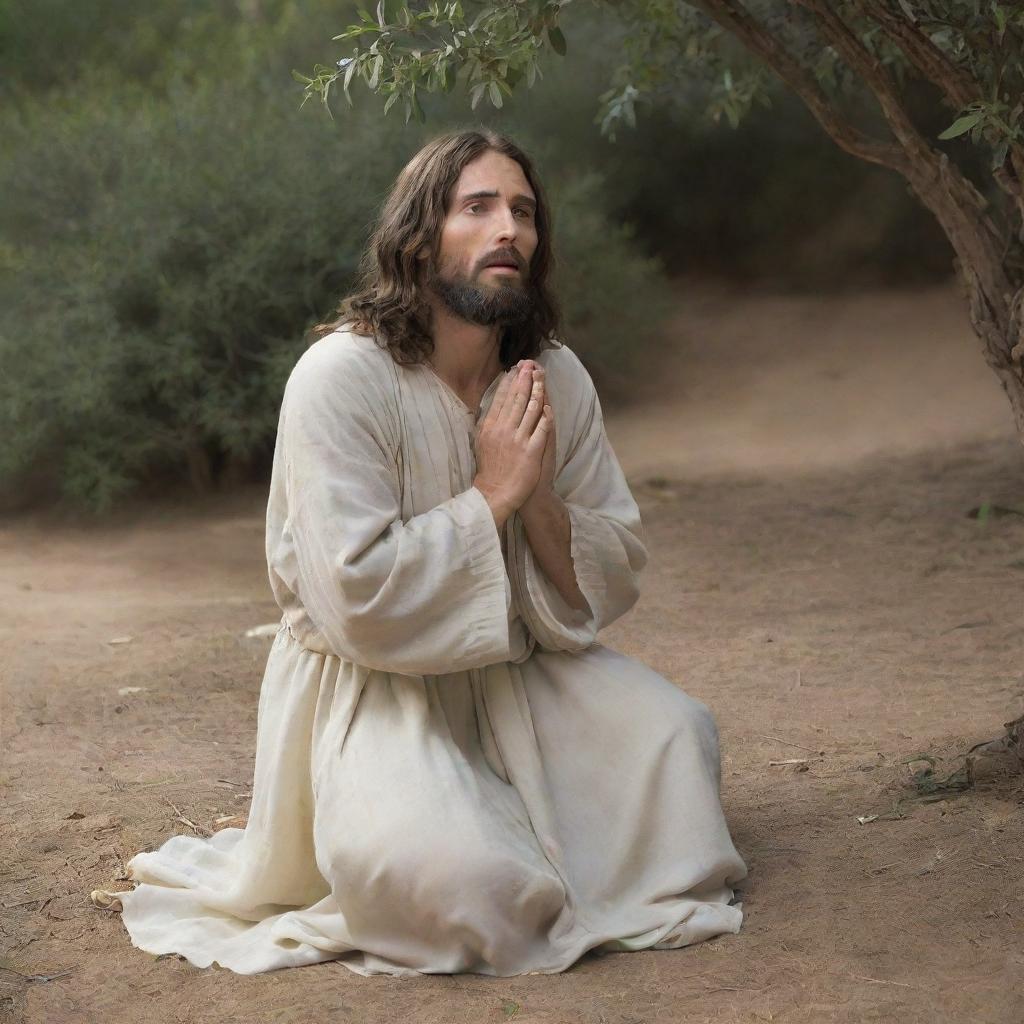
column 430, row 595
column 607, row 542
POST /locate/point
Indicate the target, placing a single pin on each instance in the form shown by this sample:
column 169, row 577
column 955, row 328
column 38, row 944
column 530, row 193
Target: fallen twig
column 799, row 746
column 882, row 981
column 23, row 903
column 158, row 782
column 5, row 966
column 883, row 867
column 199, row 830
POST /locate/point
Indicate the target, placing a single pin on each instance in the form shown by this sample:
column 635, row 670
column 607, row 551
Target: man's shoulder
column 342, row 357
column 565, row 369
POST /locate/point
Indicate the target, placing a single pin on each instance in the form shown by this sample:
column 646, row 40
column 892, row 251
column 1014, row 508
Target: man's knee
column 688, row 722
column 680, row 712
column 464, row 887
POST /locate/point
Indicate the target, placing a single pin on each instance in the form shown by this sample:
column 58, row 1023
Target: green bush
column 168, row 255
column 169, row 238
column 174, row 222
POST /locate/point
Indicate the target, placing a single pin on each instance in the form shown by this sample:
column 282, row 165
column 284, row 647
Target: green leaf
column 349, row 72
column 301, row 78
column 352, row 30
column 557, row 40
column 378, row 63
column 1000, row 20
column 495, row 94
column 962, row 125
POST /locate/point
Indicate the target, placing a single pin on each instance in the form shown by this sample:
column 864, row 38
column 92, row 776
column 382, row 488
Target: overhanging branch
column 958, row 86
column 928, row 168
column 733, row 17
column 874, row 74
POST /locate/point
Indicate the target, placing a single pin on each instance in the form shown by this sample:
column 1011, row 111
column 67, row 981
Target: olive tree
column 853, row 64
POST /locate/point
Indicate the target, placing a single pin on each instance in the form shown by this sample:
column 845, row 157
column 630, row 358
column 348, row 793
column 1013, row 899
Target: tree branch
column 928, row 167
column 734, row 18
column 874, row 74
column 939, row 184
column 958, row 86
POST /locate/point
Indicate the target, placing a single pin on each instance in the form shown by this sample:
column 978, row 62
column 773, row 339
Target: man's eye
column 473, row 207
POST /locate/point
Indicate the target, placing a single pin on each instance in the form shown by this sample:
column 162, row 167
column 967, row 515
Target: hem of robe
column 297, row 937
column 200, row 898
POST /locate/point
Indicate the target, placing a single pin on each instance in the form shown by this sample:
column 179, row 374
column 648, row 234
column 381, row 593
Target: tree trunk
column 985, row 255
column 995, row 303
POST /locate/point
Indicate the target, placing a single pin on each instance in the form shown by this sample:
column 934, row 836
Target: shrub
column 169, row 238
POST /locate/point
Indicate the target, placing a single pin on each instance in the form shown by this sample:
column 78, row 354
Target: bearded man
column 452, row 774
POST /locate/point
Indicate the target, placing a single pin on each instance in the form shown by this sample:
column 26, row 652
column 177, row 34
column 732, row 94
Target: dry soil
column 805, row 476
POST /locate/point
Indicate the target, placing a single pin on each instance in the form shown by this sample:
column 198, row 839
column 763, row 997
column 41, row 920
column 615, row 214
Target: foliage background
column 174, row 221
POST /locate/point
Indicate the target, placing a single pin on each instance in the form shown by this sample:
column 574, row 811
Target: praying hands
column 514, row 446
column 515, row 461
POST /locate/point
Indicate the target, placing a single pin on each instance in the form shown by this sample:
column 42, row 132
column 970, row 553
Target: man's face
column 490, row 220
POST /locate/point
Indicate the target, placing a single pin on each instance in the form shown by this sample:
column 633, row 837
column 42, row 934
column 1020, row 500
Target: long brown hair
column 388, row 302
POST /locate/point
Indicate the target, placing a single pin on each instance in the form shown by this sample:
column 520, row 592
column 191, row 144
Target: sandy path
column 818, row 585
column 777, row 384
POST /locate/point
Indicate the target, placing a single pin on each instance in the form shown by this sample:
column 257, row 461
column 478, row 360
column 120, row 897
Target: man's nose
column 509, row 228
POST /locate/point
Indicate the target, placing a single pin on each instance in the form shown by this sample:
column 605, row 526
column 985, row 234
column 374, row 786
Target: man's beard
column 480, row 303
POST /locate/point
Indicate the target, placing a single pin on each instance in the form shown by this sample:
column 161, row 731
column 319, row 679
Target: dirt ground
column 805, row 482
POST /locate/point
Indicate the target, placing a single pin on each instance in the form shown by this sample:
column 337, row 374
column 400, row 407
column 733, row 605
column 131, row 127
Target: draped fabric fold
column 606, row 540
column 451, row 773
column 361, row 573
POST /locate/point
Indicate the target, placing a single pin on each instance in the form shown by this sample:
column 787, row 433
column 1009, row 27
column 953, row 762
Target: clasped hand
column 515, row 442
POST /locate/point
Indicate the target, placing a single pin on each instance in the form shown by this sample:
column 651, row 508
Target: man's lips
column 508, row 262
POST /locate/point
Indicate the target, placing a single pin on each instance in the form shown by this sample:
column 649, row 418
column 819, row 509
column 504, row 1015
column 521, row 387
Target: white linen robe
column 451, row 774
